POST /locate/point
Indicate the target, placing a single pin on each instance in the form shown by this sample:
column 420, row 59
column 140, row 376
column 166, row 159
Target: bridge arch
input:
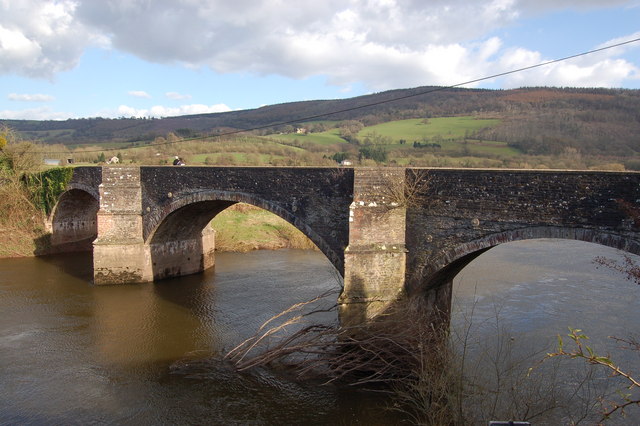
column 443, row 268
column 73, row 220
column 186, row 216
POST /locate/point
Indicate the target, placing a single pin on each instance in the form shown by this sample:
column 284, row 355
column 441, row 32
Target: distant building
column 346, row 163
column 57, row 162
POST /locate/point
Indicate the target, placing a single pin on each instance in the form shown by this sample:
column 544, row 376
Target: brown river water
column 74, row 353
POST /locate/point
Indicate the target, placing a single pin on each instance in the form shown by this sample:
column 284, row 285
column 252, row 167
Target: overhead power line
column 381, row 102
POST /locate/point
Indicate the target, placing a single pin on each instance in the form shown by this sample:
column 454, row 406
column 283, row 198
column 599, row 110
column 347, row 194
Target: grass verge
column 243, row 227
column 21, row 222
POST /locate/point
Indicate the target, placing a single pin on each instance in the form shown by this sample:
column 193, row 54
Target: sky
column 63, row 59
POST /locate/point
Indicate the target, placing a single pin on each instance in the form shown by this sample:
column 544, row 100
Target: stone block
column 121, row 264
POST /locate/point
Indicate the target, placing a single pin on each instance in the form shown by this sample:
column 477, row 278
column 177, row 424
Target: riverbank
column 21, row 222
column 243, row 228
column 240, row 228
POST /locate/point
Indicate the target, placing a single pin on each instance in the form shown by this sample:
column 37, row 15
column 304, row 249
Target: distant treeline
column 537, row 121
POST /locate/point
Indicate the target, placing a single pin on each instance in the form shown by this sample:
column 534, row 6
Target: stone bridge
column 390, row 232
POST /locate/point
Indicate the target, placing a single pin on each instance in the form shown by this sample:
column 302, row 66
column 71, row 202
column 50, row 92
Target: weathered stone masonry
column 375, row 260
column 149, row 221
column 183, row 199
column 465, row 212
column 73, row 223
column 120, row 254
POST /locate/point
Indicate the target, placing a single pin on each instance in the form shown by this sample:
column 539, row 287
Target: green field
column 243, row 227
column 231, row 158
column 452, row 134
column 439, row 142
column 440, row 129
column 330, row 137
column 433, row 128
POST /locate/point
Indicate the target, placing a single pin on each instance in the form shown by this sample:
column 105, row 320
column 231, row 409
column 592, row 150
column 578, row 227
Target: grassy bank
column 21, row 222
column 240, row 228
column 243, row 228
column 23, row 202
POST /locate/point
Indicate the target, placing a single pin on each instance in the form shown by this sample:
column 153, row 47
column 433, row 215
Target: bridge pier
column 183, row 257
column 120, row 255
column 375, row 260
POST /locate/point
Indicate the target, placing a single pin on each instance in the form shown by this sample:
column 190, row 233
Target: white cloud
column 381, row 43
column 40, row 38
column 177, row 96
column 163, row 111
column 541, row 5
column 36, row 97
column 605, row 73
column 43, row 113
column 139, row 94
column 602, row 69
column 617, row 51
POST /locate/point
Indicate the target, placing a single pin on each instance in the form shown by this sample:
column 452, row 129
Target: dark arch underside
column 74, row 221
column 188, row 216
column 445, row 267
column 188, row 222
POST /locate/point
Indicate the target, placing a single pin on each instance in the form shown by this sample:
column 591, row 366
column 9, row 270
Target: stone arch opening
column 182, row 228
column 437, row 277
column 450, row 262
column 243, row 227
column 73, row 221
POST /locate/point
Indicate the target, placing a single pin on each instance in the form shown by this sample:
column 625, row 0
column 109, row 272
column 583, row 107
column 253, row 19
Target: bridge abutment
column 375, row 260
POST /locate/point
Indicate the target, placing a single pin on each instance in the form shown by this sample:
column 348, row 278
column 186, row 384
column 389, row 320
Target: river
column 73, row 353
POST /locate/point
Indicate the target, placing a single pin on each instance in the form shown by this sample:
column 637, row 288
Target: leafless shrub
column 627, row 267
column 631, row 396
column 20, row 220
column 412, row 357
column 404, row 193
column 21, row 157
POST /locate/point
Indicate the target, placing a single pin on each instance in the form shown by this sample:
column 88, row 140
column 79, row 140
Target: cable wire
column 385, row 101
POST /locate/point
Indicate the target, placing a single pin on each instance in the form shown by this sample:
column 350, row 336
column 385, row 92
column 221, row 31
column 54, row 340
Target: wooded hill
column 536, row 121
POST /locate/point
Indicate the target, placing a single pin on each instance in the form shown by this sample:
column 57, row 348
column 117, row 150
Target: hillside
column 535, row 121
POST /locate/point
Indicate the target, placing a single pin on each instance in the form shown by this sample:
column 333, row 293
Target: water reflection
column 513, row 301
column 544, row 286
column 73, row 353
